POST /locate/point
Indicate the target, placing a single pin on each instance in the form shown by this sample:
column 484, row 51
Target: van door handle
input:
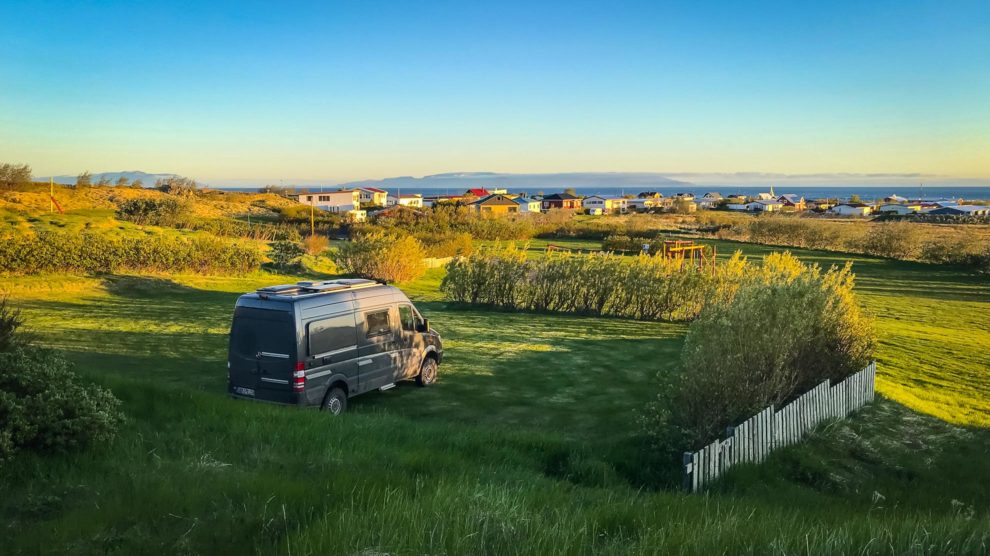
column 363, row 362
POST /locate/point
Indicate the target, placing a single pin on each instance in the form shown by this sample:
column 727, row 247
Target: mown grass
column 530, row 444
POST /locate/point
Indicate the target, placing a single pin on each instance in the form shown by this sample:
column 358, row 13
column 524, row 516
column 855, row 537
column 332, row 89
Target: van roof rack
column 311, row 287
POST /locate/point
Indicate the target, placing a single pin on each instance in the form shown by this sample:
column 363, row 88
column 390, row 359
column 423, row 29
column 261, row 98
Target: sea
column 866, row 193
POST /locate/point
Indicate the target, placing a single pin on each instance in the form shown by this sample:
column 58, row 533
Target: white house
column 644, row 204
column 406, row 200
column 373, row 196
column 736, row 206
column 341, row 201
column 851, row 209
column 606, row 204
column 897, row 208
column 710, row 200
column 764, row 206
column 528, row 205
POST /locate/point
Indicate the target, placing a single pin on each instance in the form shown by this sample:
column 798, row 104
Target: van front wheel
column 336, row 402
column 428, row 372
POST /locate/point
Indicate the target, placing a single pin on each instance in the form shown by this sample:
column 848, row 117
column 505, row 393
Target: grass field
column 530, row 444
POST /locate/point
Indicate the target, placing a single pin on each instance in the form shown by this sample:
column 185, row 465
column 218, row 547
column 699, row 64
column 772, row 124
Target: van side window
column 377, row 323
column 332, row 334
column 407, row 317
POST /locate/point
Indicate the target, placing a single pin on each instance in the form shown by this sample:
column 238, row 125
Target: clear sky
column 364, row 89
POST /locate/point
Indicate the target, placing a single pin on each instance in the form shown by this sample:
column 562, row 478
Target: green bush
column 382, row 256
column 97, row 252
column 154, row 212
column 285, row 254
column 45, row 408
column 10, row 322
column 645, row 287
column 446, row 245
column 788, row 327
column 894, row 240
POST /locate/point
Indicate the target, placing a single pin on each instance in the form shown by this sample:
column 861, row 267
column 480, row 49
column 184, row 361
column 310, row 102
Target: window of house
column 377, row 323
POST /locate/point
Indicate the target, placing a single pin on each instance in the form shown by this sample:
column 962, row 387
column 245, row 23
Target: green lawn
column 530, row 444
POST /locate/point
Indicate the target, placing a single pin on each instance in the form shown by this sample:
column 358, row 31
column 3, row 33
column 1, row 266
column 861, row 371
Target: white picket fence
column 768, row 430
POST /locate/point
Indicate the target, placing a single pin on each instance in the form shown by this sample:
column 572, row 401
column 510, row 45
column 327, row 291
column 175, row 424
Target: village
column 358, row 204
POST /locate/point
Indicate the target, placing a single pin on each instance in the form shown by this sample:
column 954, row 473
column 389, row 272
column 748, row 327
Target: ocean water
column 866, row 193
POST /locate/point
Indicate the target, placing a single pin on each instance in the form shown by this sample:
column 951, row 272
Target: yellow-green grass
column 530, row 443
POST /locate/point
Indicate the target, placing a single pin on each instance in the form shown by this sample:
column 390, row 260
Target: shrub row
column 96, row 252
column 381, row 256
column 176, row 213
column 645, row 287
column 891, row 239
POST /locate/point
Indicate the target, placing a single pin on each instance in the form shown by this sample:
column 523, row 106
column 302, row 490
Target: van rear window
column 332, row 334
column 257, row 330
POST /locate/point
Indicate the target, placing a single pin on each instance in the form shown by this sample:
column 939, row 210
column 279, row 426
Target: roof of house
column 713, row 195
column 408, row 196
column 478, row 192
column 791, row 198
column 524, row 200
column 561, row 197
column 373, row 190
column 963, row 208
column 646, row 194
column 496, row 199
column 853, row 205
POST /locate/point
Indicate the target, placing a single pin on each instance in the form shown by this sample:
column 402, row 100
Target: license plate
column 244, row 391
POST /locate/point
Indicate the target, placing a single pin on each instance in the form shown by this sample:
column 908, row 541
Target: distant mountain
column 550, row 182
column 147, row 179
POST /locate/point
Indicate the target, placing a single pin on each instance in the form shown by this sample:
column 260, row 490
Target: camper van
column 320, row 343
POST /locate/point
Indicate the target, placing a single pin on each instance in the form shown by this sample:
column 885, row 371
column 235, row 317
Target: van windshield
column 257, row 330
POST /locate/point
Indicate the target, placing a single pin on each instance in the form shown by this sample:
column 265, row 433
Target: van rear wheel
column 427, row 372
column 336, row 402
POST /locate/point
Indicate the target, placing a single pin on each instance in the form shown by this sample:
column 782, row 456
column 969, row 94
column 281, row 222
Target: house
column 764, row 206
column 684, row 197
column 650, row 195
column 643, row 204
column 406, row 200
column 434, row 200
column 897, row 208
column 894, row 199
column 561, row 201
column 495, row 204
column 478, row 192
column 820, row 204
column 331, row 201
column 792, row 202
column 528, row 205
column 962, row 210
column 764, row 196
column 606, row 204
column 373, row 196
column 851, row 209
column 357, row 215
column 710, row 200
column 737, row 206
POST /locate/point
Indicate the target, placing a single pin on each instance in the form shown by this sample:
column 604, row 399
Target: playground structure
column 688, row 250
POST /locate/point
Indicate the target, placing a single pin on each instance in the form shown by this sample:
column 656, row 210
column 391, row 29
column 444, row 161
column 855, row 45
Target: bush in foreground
column 382, row 256
column 43, row 405
column 787, row 328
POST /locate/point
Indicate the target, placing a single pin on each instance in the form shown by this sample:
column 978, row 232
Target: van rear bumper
column 269, row 396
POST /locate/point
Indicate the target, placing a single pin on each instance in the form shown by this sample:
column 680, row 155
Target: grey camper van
column 320, row 343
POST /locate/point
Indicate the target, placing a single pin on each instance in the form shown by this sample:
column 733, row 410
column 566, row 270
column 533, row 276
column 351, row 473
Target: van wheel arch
column 335, row 400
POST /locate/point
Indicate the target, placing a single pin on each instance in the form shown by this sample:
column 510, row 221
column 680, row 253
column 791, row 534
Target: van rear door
column 262, row 354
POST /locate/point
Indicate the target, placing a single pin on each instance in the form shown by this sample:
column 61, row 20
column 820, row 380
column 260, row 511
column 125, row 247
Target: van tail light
column 299, row 377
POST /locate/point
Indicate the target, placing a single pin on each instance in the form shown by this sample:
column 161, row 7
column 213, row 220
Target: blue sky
column 340, row 91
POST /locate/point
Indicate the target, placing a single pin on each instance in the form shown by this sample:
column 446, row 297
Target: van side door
column 376, row 345
column 331, row 350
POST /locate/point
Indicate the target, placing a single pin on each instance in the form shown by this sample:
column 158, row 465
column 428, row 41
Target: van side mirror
column 423, row 326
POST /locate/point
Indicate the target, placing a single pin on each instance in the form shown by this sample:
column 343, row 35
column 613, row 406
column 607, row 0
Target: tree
column 103, row 182
column 137, row 184
column 122, row 181
column 175, row 185
column 855, row 199
column 571, row 191
column 382, row 257
column 84, row 179
column 14, row 175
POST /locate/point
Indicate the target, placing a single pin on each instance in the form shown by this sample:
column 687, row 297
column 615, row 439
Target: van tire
column 427, row 372
column 335, row 401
